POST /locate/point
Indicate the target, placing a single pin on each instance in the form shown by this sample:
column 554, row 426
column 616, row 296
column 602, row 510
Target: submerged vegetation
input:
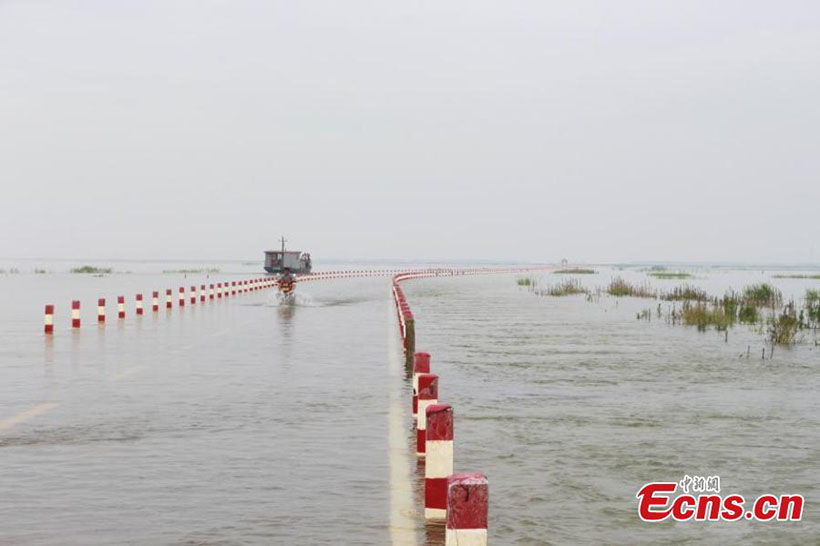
column 619, row 287
column 567, row 287
column 576, row 271
column 757, row 305
column 763, row 294
column 685, row 292
column 92, row 269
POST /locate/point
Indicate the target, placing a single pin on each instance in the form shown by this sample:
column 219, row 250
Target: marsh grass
column 815, row 276
column 619, row 287
column 566, row 287
column 763, row 295
column 703, row 315
column 525, row 281
column 783, row 327
column 685, row 292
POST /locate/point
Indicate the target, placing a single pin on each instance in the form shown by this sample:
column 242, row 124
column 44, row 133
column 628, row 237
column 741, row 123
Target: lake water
column 245, row 422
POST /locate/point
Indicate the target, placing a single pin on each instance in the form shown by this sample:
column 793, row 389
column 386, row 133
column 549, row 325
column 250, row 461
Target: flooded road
column 235, row 422
column 243, row 422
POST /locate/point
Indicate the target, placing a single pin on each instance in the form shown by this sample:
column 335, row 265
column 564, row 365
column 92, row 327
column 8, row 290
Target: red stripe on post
column 121, row 307
column 193, row 295
column 139, row 304
column 155, row 301
column 168, row 300
column 181, row 297
column 439, row 422
column 467, row 501
column 202, row 293
column 435, row 494
column 100, row 310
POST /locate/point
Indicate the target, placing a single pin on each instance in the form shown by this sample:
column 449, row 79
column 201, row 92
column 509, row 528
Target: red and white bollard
column 75, row 314
column 193, row 295
column 139, row 304
column 219, row 290
column 121, row 307
column 169, row 302
column 155, row 301
column 100, row 310
column 210, row 291
column 438, row 463
column 201, row 293
column 233, row 288
column 49, row 319
column 421, row 364
column 181, row 296
column 428, row 395
column 467, row 508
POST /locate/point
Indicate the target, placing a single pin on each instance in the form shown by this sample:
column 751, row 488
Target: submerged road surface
column 238, row 422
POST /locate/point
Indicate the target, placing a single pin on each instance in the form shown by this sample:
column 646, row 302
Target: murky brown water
column 242, row 422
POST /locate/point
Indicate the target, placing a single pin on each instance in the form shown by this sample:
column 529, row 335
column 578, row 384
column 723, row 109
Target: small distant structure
column 564, row 262
column 277, row 260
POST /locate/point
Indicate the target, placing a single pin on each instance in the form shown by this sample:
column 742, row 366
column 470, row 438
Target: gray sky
column 596, row 131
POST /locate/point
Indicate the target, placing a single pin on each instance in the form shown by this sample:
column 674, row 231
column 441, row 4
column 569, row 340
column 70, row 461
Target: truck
column 277, row 260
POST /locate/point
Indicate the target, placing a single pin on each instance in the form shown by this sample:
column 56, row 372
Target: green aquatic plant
column 783, row 327
column 763, row 294
column 525, row 281
column 92, row 269
column 748, row 314
column 618, row 287
column 703, row 315
column 812, row 305
column 567, row 287
column 814, row 276
column 685, row 292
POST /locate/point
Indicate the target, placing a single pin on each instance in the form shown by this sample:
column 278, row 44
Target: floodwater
column 245, row 422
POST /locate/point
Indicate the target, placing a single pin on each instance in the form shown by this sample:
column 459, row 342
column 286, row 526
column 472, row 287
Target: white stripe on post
column 421, row 364
column 75, row 314
column 428, row 395
column 438, row 463
column 49, row 319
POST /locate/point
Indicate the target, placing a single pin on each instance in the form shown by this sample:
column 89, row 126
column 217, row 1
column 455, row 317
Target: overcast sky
column 536, row 130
